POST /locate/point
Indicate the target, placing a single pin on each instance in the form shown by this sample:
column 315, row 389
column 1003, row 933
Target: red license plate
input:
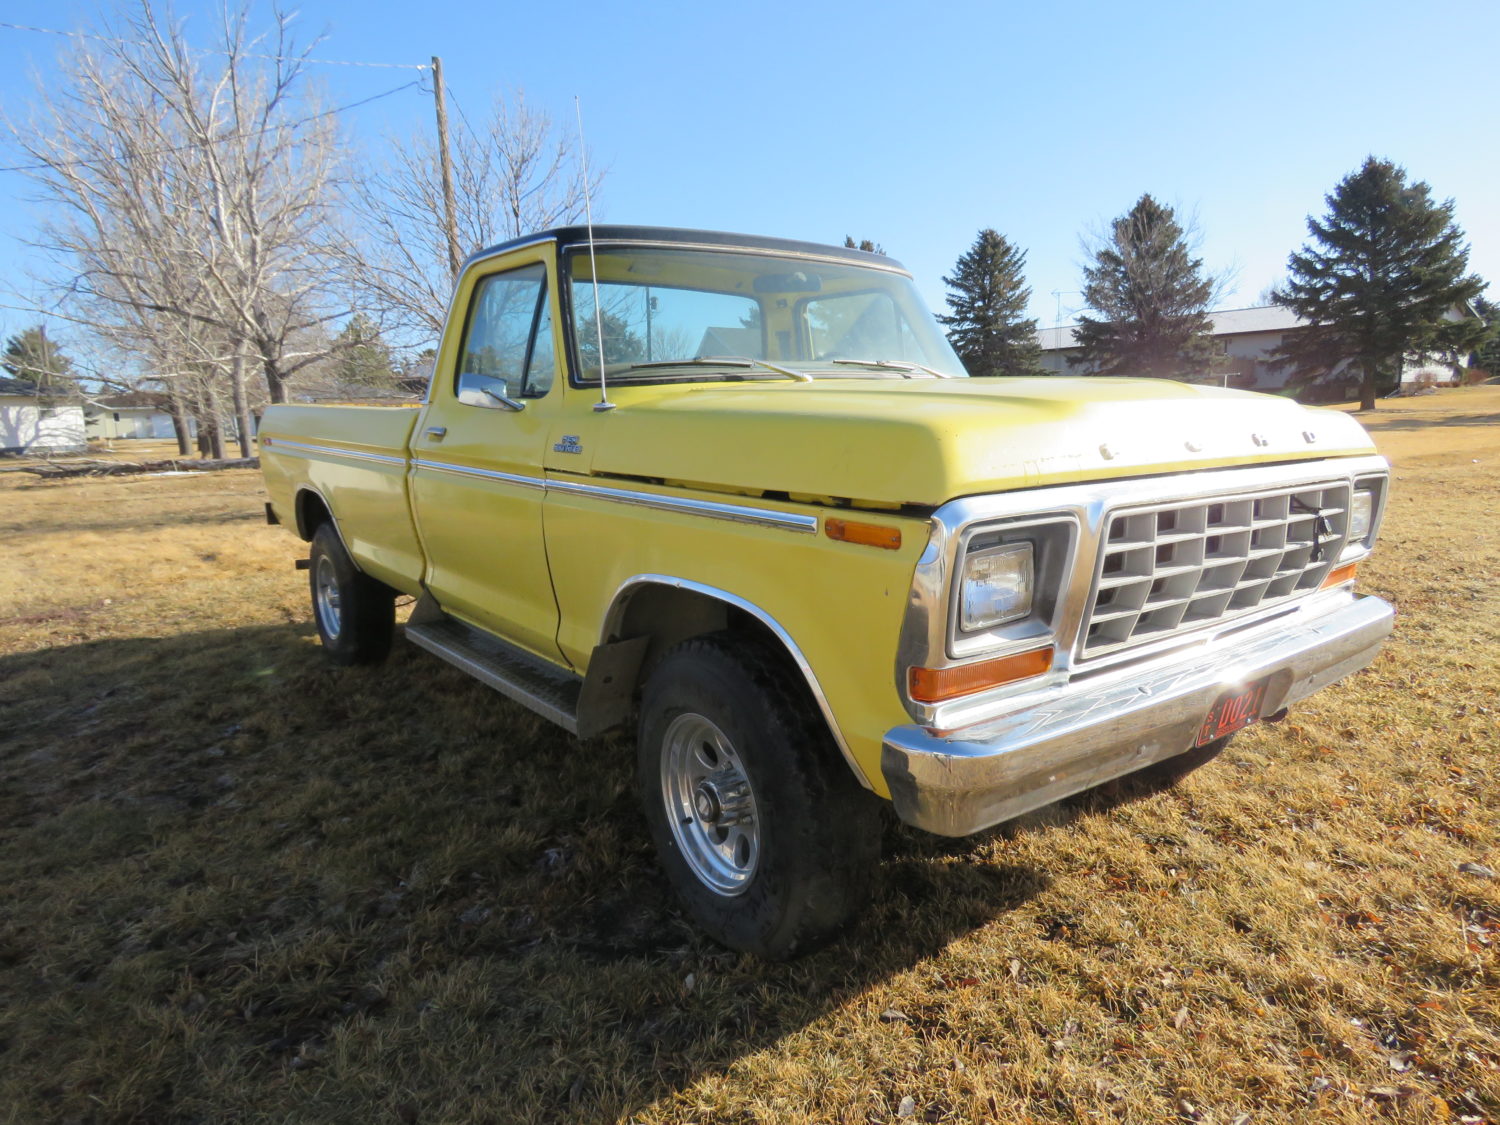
column 1234, row 711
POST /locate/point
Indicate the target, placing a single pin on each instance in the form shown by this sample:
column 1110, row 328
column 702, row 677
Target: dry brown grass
column 239, row 885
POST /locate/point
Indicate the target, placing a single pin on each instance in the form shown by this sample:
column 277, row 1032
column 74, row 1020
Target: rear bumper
column 1093, row 731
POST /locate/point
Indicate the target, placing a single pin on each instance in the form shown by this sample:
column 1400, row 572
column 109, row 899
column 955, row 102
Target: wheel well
column 312, row 513
column 669, row 614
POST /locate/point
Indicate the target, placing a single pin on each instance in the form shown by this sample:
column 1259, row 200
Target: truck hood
column 924, row 442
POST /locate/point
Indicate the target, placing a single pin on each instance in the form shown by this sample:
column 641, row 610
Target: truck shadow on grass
column 1377, row 421
column 240, row 882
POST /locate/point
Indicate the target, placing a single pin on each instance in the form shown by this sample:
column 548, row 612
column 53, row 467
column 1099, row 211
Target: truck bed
column 360, row 454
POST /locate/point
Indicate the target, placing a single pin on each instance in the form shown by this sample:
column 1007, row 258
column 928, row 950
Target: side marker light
column 866, row 534
column 1340, row 574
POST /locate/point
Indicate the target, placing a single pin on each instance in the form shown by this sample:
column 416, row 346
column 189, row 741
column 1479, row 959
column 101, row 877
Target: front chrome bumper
column 1093, row 731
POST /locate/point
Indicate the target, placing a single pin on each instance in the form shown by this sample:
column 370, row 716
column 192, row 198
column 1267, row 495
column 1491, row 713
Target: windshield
column 667, row 313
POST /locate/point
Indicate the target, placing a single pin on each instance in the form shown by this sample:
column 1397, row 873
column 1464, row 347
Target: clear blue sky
column 916, row 125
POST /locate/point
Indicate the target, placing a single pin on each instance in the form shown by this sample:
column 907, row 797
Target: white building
column 1245, row 339
column 33, row 423
column 138, row 415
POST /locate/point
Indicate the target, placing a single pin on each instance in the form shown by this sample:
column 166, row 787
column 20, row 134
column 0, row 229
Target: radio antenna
column 588, row 209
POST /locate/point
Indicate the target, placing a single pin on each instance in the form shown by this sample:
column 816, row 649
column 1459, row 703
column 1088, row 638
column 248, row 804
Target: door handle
column 436, row 433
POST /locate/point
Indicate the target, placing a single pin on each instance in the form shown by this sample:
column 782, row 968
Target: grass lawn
column 240, row 885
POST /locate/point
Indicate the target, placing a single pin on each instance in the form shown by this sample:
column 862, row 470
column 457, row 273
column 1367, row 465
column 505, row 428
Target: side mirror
column 488, row 398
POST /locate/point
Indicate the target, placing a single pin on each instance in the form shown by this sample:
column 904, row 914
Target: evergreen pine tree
column 1151, row 297
column 863, row 244
column 361, row 356
column 1487, row 351
column 988, row 294
column 31, row 356
column 1378, row 278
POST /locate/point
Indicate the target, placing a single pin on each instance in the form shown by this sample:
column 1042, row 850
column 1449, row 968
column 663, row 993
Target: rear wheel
column 764, row 833
column 355, row 614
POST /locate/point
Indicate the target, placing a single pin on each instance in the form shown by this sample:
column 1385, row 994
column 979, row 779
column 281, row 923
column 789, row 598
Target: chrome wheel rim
column 326, row 596
column 709, row 804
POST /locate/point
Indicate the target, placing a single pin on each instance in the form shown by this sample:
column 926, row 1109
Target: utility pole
column 445, row 162
column 1062, row 363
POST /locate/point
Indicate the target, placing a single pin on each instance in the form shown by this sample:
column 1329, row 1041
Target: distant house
column 1245, row 339
column 730, row 341
column 138, row 415
column 31, row 422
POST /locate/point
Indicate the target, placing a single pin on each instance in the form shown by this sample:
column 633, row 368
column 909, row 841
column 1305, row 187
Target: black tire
column 816, row 831
column 355, row 614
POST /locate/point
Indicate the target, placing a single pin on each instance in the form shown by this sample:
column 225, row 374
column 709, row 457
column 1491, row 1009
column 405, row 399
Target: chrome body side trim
column 304, row 449
column 536, row 483
column 616, row 613
column 710, row 509
column 927, row 638
column 1101, row 728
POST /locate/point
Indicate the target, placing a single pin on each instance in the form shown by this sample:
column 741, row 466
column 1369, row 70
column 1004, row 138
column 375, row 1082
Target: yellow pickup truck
column 740, row 494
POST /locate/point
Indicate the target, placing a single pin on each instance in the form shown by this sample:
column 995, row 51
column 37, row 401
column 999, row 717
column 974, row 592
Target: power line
column 210, row 50
column 464, row 117
column 230, row 137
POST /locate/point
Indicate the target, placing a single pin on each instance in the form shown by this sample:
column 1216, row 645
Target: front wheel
column 355, row 614
column 764, row 833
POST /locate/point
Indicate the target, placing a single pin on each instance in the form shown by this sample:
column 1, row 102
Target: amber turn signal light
column 1339, row 574
column 934, row 685
column 868, row 534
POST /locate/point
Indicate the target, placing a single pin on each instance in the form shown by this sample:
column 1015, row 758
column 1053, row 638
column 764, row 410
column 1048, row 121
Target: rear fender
column 312, row 511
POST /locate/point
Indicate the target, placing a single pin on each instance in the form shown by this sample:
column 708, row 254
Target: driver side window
column 507, row 348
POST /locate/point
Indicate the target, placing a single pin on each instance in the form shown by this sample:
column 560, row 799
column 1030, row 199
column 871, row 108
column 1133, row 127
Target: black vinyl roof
column 575, row 235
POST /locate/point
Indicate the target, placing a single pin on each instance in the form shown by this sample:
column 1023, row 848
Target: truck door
column 477, row 457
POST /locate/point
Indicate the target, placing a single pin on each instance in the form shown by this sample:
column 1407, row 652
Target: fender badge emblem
column 1260, row 439
column 1193, row 446
column 1107, row 451
column 1309, row 437
column 569, row 443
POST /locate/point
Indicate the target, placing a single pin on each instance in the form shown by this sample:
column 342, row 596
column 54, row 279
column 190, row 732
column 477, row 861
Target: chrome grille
column 1173, row 568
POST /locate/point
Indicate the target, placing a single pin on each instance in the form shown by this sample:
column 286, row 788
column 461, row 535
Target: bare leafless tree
column 189, row 197
column 516, row 173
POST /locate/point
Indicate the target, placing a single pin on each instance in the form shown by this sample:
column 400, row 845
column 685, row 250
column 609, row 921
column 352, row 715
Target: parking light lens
column 934, row 685
column 1341, row 574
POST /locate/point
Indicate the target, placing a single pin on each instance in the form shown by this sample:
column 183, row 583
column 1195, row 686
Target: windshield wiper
column 898, row 365
column 724, row 361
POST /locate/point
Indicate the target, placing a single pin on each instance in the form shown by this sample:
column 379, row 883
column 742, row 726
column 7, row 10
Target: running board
column 512, row 672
